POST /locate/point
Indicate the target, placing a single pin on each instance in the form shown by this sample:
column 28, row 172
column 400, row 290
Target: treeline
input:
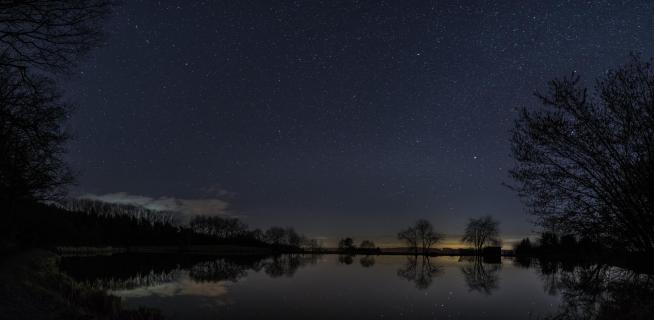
column 551, row 244
column 94, row 223
column 229, row 228
column 347, row 245
column 481, row 233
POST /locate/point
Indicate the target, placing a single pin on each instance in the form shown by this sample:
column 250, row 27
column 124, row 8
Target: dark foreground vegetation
column 33, row 287
column 585, row 158
column 97, row 224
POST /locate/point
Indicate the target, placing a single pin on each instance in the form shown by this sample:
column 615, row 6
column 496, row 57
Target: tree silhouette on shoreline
column 420, row 236
column 585, row 161
column 39, row 39
column 481, row 231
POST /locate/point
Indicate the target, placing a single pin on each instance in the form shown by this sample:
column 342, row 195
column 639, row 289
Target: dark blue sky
column 337, row 117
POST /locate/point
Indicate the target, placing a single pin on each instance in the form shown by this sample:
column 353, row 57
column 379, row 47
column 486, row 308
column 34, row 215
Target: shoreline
column 642, row 263
column 249, row 250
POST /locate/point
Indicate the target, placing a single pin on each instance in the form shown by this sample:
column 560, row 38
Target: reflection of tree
column 367, row 261
column 479, row 276
column 522, row 262
column 345, row 259
column 288, row 264
column 604, row 292
column 136, row 281
column 549, row 271
column 218, row 270
column 127, row 271
column 134, row 271
column 420, row 271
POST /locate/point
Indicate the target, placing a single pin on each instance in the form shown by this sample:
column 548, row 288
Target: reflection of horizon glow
column 274, row 287
column 183, row 286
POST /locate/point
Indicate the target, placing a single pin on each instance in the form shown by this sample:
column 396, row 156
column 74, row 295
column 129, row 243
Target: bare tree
column 292, row 237
column 38, row 36
column 346, row 244
column 421, row 234
column 410, row 237
column 585, row 162
column 31, row 139
column 275, row 235
column 481, row 231
column 311, row 244
column 49, row 35
column 367, row 245
column 219, row 227
column 428, row 237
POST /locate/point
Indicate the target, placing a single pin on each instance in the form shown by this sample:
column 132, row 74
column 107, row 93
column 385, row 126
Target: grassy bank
column 34, row 288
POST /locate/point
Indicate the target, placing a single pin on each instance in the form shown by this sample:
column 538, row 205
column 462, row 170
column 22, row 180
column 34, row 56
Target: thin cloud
column 185, row 207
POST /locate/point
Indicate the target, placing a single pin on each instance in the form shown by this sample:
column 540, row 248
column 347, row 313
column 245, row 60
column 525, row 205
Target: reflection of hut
column 492, row 254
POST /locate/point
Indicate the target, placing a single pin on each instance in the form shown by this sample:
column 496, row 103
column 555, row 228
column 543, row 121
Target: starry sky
column 341, row 118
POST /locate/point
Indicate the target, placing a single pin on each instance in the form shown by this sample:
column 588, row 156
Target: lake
column 365, row 287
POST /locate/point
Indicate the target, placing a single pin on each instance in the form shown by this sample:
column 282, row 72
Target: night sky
column 337, row 117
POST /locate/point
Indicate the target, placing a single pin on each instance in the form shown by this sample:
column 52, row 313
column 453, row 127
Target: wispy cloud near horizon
column 185, row 207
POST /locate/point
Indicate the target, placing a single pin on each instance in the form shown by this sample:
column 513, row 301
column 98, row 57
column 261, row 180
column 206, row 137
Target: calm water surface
column 361, row 287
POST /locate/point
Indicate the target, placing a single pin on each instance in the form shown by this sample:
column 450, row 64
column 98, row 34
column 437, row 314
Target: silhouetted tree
column 219, row 227
column 292, row 237
column 49, row 35
column 428, row 237
column 585, row 162
column 37, row 37
column 523, row 248
column 346, row 244
column 410, row 237
column 275, row 235
column 421, row 234
column 31, row 139
column 548, row 243
column 481, row 231
column 257, row 234
column 311, row 244
column 568, row 243
column 367, row 245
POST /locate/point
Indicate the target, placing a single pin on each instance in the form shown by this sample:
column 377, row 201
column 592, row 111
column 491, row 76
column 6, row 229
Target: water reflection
column 128, row 271
column 565, row 290
column 219, row 270
column 287, row 264
column 124, row 272
column 479, row 276
column 345, row 259
column 367, row 261
column 600, row 292
column 419, row 270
